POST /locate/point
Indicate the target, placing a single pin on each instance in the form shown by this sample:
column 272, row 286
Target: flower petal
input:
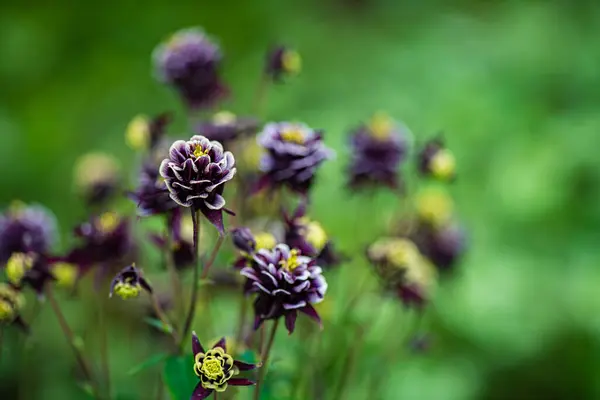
column 216, row 203
column 196, row 346
column 242, row 366
column 290, row 321
column 241, row 382
column 215, row 217
column 222, row 344
column 312, row 313
column 200, row 392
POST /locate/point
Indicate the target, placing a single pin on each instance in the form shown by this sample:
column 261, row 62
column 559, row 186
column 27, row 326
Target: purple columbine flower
column 25, row 229
column 437, row 161
column 152, row 196
column 285, row 282
column 443, row 245
column 282, row 61
column 216, row 369
column 189, row 61
column 129, row 283
column 195, row 174
column 225, row 127
column 294, row 151
column 377, row 149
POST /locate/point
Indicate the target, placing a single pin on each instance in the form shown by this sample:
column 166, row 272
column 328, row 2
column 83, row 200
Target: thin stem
column 104, row 347
column 241, row 321
column 265, row 359
column 170, row 264
column 160, row 313
column 348, row 367
column 216, row 396
column 194, row 297
column 64, row 325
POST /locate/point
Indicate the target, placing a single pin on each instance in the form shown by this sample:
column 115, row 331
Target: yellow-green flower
column 434, row 206
column 128, row 283
column 17, row 266
column 65, row 274
column 437, row 161
column 11, row 303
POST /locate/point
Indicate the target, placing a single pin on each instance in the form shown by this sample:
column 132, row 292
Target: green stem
column 104, row 347
column 348, row 366
column 241, row 322
column 160, row 313
column 68, row 332
column 266, row 351
column 170, row 264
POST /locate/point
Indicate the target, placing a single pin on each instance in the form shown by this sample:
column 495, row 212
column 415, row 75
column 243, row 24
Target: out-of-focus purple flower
column 377, row 149
column 437, row 161
column 443, row 245
column 309, row 237
column 216, row 369
column 243, row 240
column 195, row 174
column 128, row 283
column 293, row 152
column 189, row 62
column 144, row 134
column 285, row 282
column 281, row 62
column 152, row 196
column 96, row 177
column 12, row 302
column 25, row 229
column 226, row 127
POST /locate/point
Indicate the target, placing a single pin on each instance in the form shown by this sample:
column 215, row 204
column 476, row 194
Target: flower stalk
column 265, row 353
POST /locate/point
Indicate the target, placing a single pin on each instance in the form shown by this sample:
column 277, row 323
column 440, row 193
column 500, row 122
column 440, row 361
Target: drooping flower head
column 96, row 177
column 248, row 243
column 195, row 175
column 437, row 161
column 129, row 283
column 182, row 245
column 376, row 151
column 281, row 62
column 189, row 62
column 12, row 302
column 25, row 229
column 143, row 133
column 309, row 237
column 151, row 195
column 216, row 369
column 29, row 270
column 285, row 282
column 226, row 127
column 443, row 245
column 402, row 269
column 293, row 152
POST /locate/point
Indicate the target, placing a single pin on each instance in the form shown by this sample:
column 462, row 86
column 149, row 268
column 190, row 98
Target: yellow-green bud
column 126, row 290
column 11, row 303
column 315, row 235
column 65, row 274
column 443, row 165
column 291, row 62
column 434, row 206
column 265, row 240
column 137, row 134
column 17, row 266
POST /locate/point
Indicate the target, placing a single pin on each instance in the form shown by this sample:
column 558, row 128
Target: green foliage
column 179, row 377
column 150, row 362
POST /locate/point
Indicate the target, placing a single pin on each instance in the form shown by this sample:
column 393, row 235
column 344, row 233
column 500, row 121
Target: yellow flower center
column 265, row 240
column 316, row 235
column 381, row 125
column 292, row 262
column 291, row 62
column 199, row 151
column 293, row 135
column 443, row 165
column 127, row 291
column 434, row 206
column 137, row 134
column 211, row 367
column 108, row 222
column 17, row 266
column 224, row 118
column 7, row 312
column 65, row 274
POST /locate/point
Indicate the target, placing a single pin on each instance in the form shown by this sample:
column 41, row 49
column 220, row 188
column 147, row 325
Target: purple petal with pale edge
column 196, row 346
column 242, row 366
column 217, row 203
column 290, row 321
column 222, row 344
column 241, row 381
column 215, row 217
column 311, row 312
column 200, row 392
column 268, row 275
column 276, row 291
column 299, row 304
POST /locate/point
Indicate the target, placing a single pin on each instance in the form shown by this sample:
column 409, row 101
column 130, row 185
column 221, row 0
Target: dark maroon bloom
column 243, row 240
column 436, row 161
column 189, row 61
column 25, row 229
column 281, row 62
column 129, row 283
column 216, row 369
column 309, row 237
column 377, row 149
column 293, row 153
column 285, row 282
column 105, row 239
column 443, row 245
column 152, row 196
column 225, row 127
column 195, row 174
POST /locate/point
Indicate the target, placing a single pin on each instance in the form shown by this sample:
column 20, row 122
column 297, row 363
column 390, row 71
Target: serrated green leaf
column 153, row 360
column 158, row 324
column 179, row 377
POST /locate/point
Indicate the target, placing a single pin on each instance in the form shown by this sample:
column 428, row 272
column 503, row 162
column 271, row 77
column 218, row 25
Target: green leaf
column 158, row 324
column 153, row 360
column 179, row 377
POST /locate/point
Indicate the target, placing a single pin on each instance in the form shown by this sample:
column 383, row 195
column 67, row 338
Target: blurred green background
column 513, row 84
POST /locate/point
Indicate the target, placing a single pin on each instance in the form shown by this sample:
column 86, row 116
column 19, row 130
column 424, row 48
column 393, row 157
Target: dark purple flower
column 243, row 240
column 443, row 245
column 293, row 153
column 128, row 283
column 281, row 62
column 152, row 196
column 309, row 237
column 377, row 149
column 189, row 61
column 11, row 304
column 97, row 178
column 435, row 160
column 216, row 369
column 25, row 229
column 225, row 127
column 195, row 174
column 285, row 282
